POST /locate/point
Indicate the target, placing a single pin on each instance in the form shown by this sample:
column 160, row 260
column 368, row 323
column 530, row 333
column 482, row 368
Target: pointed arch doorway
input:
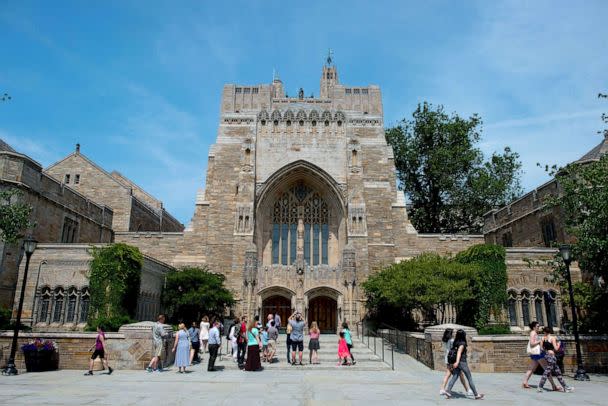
column 276, row 304
column 323, row 310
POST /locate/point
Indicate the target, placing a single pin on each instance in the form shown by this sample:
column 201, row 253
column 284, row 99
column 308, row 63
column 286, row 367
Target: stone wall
column 53, row 205
column 130, row 348
column 498, row 353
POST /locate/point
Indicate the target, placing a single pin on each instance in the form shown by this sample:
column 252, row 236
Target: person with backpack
column 233, row 336
column 448, row 341
column 549, row 345
column 457, row 356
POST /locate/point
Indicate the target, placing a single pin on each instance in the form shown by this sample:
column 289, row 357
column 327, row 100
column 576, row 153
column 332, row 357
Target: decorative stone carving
column 243, row 219
column 357, row 225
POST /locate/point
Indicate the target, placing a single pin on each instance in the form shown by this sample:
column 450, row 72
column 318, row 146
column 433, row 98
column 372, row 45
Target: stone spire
column 329, row 77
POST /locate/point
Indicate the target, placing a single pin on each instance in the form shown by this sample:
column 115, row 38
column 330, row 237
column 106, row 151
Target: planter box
column 40, row 361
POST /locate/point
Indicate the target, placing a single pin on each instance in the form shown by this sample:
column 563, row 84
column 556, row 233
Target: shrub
column 111, row 323
column 494, row 329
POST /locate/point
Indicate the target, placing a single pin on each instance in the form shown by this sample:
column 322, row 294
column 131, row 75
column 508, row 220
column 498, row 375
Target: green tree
column 445, row 176
column 425, row 283
column 115, row 275
column 192, row 292
column 14, row 215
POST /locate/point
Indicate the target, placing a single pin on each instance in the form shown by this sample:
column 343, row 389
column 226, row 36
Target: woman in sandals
column 537, row 356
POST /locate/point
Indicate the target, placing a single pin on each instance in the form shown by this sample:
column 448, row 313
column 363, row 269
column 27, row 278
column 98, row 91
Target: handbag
column 533, row 350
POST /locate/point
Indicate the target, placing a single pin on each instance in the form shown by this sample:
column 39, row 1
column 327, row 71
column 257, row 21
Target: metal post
column 581, row 375
column 11, row 369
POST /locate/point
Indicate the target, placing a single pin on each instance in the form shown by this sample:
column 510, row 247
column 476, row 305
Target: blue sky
column 138, row 83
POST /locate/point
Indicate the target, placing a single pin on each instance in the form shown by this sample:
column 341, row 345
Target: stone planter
column 40, row 361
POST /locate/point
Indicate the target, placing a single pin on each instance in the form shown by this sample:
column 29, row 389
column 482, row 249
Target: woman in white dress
column 204, row 333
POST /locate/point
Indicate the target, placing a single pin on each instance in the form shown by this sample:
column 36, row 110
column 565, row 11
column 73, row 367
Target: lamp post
column 29, row 245
column 566, row 254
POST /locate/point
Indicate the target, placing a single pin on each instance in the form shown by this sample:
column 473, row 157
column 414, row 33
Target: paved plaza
column 368, row 382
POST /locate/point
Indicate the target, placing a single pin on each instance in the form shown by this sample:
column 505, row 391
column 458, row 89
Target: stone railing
column 130, row 348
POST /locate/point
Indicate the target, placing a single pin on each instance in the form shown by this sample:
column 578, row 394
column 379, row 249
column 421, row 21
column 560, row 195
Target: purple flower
column 39, row 344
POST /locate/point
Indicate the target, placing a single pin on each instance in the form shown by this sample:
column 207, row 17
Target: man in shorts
column 158, row 335
column 297, row 336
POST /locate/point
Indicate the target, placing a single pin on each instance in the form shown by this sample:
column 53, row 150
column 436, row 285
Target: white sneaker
column 441, row 392
column 470, row 394
column 569, row 389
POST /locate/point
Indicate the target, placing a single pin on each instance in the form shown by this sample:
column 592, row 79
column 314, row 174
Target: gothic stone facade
column 301, row 203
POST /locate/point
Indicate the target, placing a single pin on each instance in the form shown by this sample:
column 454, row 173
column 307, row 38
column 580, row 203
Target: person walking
column 253, row 348
column 242, row 342
column 550, row 345
column 158, row 336
column 215, row 341
column 343, row 351
column 181, row 348
column 204, row 337
column 233, row 335
column 448, row 342
column 273, row 336
column 537, row 356
column 194, row 333
column 349, row 340
column 313, row 343
column 460, row 365
column 297, row 336
column 100, row 350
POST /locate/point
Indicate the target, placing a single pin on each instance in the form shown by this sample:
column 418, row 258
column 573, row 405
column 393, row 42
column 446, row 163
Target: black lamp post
column 566, row 254
column 29, row 245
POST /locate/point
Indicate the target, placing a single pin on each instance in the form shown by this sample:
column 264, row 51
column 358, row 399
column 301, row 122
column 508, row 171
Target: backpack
column 452, row 355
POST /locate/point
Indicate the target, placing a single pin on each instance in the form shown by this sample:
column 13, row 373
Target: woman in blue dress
column 181, row 348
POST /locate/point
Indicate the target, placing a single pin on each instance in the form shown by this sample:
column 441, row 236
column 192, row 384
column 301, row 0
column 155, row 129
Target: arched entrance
column 276, row 304
column 323, row 310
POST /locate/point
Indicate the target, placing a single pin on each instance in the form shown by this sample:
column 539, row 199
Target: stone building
column 60, row 214
column 57, row 292
column 134, row 208
column 527, row 221
column 301, row 202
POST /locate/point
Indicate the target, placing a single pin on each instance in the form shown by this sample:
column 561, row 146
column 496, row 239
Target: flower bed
column 40, row 355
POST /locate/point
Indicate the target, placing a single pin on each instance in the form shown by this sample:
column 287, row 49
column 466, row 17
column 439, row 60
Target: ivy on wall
column 489, row 284
column 115, row 276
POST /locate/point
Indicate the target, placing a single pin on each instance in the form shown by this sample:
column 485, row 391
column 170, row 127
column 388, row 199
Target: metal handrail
column 373, row 334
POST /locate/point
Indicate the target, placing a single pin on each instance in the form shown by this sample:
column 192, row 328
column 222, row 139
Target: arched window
column 70, row 315
column 512, row 303
column 85, row 299
column 538, row 307
column 45, row 305
column 525, row 307
column 550, row 308
column 58, row 300
column 300, row 208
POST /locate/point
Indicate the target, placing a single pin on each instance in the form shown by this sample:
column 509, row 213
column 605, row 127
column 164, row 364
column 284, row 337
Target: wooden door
column 323, row 310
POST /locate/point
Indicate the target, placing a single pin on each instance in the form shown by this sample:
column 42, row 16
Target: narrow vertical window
column 71, row 308
column 525, row 308
column 293, row 242
column 66, row 178
column 58, row 305
column 538, row 307
column 275, row 243
column 315, row 244
column 84, row 305
column 77, row 179
column 284, row 233
column 324, row 241
column 512, row 312
column 45, row 304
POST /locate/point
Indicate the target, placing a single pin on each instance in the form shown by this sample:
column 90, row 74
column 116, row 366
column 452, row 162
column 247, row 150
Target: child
column 265, row 344
column 100, row 349
column 343, row 353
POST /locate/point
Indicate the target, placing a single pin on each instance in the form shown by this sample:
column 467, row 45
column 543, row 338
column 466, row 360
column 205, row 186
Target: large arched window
column 300, row 215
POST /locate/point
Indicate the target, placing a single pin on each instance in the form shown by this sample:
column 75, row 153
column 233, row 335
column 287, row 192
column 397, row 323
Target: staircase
column 328, row 357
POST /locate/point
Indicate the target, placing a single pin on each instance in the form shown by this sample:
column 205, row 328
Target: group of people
column 252, row 343
column 544, row 351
